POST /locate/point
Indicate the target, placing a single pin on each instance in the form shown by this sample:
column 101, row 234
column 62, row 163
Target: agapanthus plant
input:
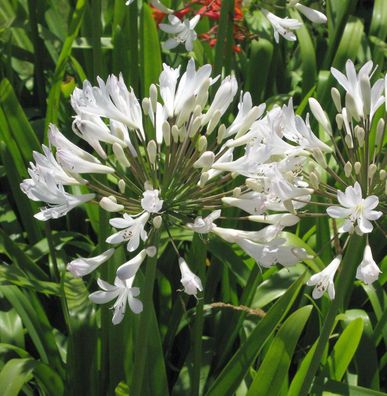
column 173, row 162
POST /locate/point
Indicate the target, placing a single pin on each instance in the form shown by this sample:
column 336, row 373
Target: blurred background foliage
column 53, row 341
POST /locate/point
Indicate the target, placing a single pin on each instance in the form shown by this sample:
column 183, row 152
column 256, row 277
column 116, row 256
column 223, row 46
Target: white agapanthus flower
column 82, row 266
column 357, row 211
column 323, row 281
column 191, row 282
column 183, row 32
column 313, row 15
column 156, row 3
column 368, row 271
column 282, row 26
column 123, row 292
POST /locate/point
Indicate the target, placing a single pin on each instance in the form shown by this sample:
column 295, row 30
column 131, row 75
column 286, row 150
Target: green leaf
column 13, row 376
column 274, row 369
column 341, row 388
column 345, row 349
column 150, row 50
column 236, row 369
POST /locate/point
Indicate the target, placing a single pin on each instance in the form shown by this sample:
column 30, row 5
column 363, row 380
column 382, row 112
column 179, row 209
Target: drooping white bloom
column 357, row 212
column 133, row 230
column 111, row 99
column 282, row 26
column 130, row 268
column 191, row 282
column 151, row 202
column 82, row 266
column 312, row 14
column 206, row 225
column 48, row 164
column 123, row 291
column 157, row 4
column 323, row 281
column 183, row 32
column 368, row 271
column 46, row 189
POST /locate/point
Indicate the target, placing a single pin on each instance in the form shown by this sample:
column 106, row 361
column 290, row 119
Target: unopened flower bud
column 372, row 170
column 197, row 111
column 320, row 158
column 151, row 250
column 153, row 96
column 382, row 174
column 203, row 179
column 351, row 107
column 336, row 99
column 175, row 133
column 202, row 143
column 348, row 169
column 146, row 105
column 365, row 88
column 120, row 155
column 152, row 151
column 110, row 204
column 314, row 180
column 360, row 135
column 195, row 126
column 348, row 141
column 379, row 132
column 339, row 121
column 166, row 128
column 236, row 192
column 121, row 186
column 205, row 161
column 157, row 221
column 221, row 133
column 320, row 115
column 357, row 167
column 213, row 122
column 186, row 111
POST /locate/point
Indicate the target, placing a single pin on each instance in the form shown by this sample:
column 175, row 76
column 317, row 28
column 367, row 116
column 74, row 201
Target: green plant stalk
column 140, row 352
column 96, row 30
column 38, row 55
column 199, row 322
column 343, row 283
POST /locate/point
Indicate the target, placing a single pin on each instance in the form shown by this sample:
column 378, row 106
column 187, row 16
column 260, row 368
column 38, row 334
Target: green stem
column 198, row 256
column 343, row 283
column 141, row 348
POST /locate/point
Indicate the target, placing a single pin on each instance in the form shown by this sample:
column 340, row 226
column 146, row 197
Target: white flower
column 151, row 201
column 355, row 210
column 125, row 294
column 183, row 32
column 282, row 26
column 313, row 15
column 366, row 100
column 47, row 164
column 132, row 232
column 82, row 266
column 323, row 281
column 368, row 271
column 206, row 225
column 191, row 282
column 157, row 4
column 130, row 268
column 46, row 189
column 112, row 100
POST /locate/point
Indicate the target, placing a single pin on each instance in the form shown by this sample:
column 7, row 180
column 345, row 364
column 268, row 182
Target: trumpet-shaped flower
column 323, row 281
column 368, row 271
column 191, row 282
column 123, row 292
column 183, row 32
column 282, row 26
column 82, row 266
column 357, row 212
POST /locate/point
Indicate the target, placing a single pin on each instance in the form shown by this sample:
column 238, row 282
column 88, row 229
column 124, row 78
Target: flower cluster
column 173, row 161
